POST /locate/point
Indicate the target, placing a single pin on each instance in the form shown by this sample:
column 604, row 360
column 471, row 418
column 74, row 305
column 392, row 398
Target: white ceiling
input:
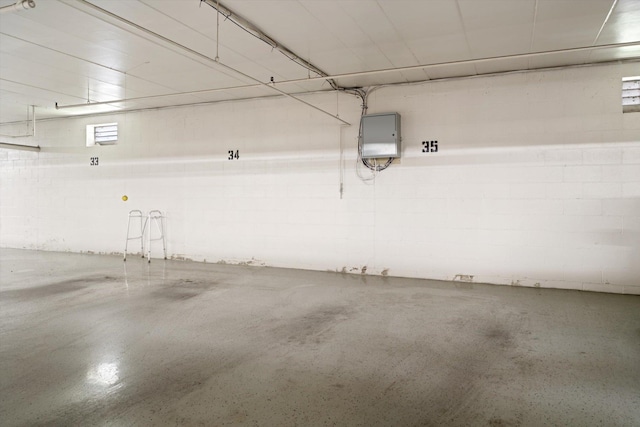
column 69, row 52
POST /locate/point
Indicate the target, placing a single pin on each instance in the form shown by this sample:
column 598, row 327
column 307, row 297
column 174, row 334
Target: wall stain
column 251, row 262
column 180, row 257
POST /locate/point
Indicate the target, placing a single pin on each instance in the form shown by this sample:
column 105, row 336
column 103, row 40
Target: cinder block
column 565, row 190
column 621, row 173
column 563, row 156
column 582, row 173
column 541, row 206
column 602, row 156
column 603, row 190
column 631, row 155
column 601, row 224
column 583, row 207
column 489, row 223
column 621, row 206
column 631, row 189
column 631, row 222
column 539, row 174
column 528, row 190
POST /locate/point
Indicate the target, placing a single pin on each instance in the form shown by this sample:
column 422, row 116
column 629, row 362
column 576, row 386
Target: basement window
column 102, row 134
column 631, row 94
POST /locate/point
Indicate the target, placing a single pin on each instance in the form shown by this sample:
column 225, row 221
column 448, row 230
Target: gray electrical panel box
column 381, row 135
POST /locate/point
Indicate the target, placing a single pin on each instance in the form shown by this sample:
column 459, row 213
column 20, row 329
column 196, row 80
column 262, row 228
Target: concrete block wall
column 536, row 182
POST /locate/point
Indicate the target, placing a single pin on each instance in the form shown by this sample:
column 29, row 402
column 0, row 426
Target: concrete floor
column 90, row 340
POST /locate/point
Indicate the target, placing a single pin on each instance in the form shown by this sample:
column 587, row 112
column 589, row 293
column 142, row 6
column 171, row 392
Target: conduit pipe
column 202, row 57
column 367, row 73
column 19, row 147
column 18, row 6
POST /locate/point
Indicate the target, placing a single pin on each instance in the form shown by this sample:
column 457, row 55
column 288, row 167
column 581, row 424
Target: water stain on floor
column 313, row 327
column 57, row 288
column 184, row 289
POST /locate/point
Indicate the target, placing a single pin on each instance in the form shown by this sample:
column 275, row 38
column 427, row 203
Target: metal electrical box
column 381, row 135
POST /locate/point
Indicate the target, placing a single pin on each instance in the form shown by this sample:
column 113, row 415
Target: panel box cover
column 381, row 135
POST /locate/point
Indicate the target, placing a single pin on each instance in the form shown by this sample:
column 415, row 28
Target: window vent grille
column 631, row 94
column 103, row 134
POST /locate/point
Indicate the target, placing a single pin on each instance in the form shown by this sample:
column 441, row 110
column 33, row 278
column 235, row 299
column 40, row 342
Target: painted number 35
column 429, row 146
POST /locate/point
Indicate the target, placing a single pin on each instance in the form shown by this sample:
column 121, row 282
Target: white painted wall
column 536, row 183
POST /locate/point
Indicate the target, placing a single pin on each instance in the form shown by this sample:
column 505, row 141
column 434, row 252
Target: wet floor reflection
column 105, row 374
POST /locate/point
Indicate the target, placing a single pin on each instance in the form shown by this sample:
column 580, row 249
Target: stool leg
column 126, row 240
column 149, row 238
column 143, row 227
column 164, row 245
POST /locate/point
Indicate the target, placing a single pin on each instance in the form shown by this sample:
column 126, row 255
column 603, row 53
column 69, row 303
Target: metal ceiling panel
column 68, row 51
column 563, row 24
column 623, row 24
column 498, row 27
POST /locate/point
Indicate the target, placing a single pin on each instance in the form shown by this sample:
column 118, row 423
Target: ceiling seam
column 613, row 6
column 367, row 35
column 332, row 33
column 533, row 30
column 606, row 19
column 401, row 38
column 464, row 31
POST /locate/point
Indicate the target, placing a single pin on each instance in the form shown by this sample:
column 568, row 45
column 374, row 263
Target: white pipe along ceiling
column 366, row 73
column 18, row 6
column 78, row 57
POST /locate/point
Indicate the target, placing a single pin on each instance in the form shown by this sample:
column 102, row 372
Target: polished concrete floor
column 90, row 340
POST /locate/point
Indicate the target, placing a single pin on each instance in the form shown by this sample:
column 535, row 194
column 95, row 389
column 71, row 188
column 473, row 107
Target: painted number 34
column 233, row 155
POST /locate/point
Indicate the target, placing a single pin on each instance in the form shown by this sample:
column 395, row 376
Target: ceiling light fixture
column 18, row 6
